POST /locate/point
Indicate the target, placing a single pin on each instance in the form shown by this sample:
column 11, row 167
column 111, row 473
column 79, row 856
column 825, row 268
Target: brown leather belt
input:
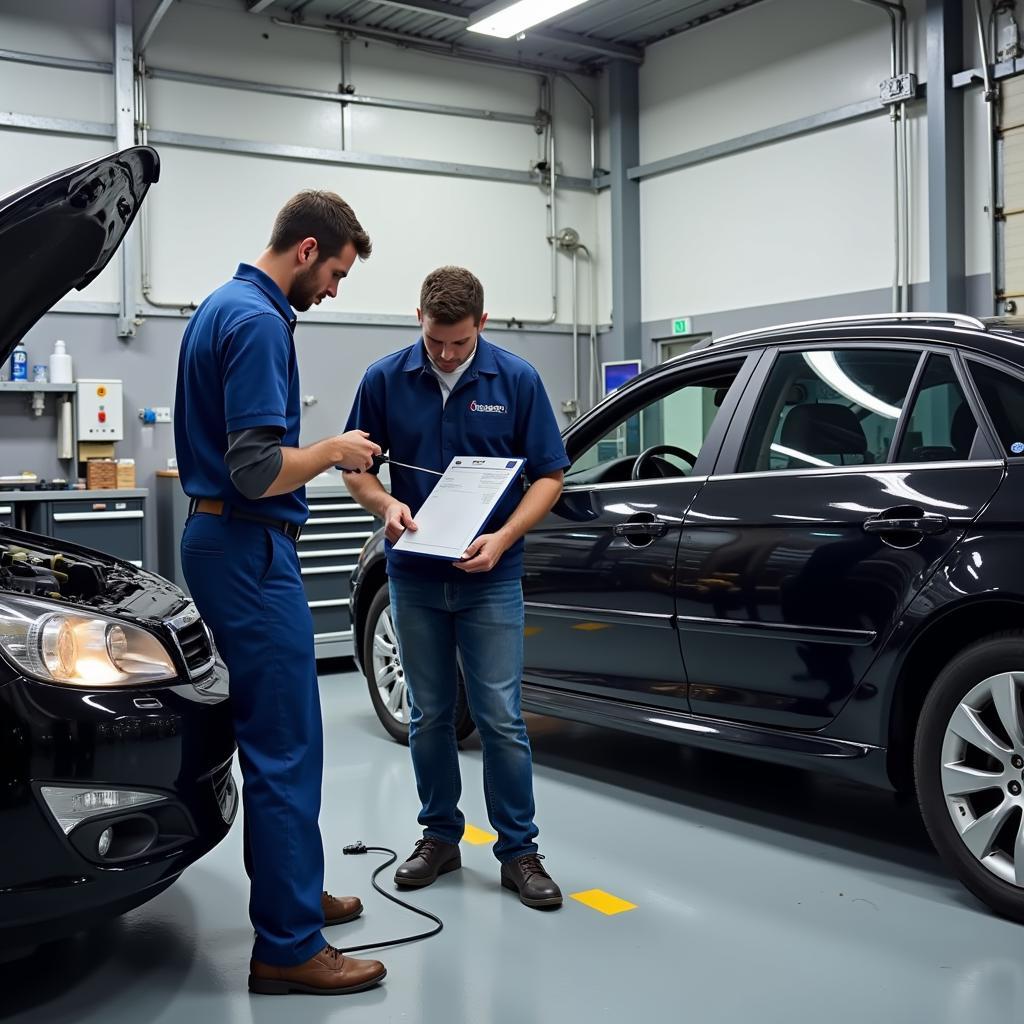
column 215, row 507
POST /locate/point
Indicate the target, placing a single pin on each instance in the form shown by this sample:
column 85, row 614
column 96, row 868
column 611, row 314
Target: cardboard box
column 126, row 474
column 101, row 474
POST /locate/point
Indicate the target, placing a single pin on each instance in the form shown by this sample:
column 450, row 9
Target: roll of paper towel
column 64, row 431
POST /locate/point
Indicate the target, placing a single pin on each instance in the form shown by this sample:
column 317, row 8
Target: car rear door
column 847, row 475
column 599, row 580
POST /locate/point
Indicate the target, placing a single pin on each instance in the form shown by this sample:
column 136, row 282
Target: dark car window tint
column 825, row 408
column 1003, row 395
column 940, row 426
column 681, row 418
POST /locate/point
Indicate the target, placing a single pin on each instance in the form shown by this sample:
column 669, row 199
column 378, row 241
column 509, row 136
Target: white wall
column 803, row 218
column 210, row 210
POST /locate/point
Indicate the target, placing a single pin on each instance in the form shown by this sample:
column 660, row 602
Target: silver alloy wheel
column 387, row 669
column 983, row 774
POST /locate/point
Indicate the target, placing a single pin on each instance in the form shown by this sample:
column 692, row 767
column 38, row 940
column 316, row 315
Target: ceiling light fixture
column 508, row 18
column 824, row 364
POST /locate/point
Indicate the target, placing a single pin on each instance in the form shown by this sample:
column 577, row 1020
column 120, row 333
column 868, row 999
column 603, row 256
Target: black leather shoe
column 526, row 875
column 429, row 858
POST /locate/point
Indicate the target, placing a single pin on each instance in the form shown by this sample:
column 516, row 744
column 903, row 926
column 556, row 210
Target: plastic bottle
column 60, row 364
column 19, row 362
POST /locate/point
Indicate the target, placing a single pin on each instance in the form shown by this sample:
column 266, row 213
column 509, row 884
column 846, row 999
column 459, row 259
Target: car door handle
column 640, row 529
column 927, row 523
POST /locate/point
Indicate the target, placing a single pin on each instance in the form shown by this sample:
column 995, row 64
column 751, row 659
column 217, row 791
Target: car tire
column 386, row 678
column 969, row 770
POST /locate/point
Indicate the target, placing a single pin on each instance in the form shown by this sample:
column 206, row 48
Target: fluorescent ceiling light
column 825, row 366
column 792, row 453
column 507, row 18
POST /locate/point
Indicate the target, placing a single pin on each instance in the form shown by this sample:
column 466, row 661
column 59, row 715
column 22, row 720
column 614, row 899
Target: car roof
column 1000, row 337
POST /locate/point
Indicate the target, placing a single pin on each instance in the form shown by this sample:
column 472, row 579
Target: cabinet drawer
column 355, row 521
column 122, row 538
column 98, row 506
column 330, row 585
column 330, row 618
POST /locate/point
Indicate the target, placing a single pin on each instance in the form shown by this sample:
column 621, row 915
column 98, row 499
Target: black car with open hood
column 116, row 743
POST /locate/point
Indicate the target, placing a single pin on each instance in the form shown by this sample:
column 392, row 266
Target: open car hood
column 59, row 233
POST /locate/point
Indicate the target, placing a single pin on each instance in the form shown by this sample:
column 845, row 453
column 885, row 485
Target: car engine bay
column 84, row 578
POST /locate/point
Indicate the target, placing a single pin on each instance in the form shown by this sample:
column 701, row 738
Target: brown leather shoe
column 340, row 909
column 329, row 973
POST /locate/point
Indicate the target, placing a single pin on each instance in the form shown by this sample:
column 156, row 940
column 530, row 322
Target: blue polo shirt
column 498, row 408
column 237, row 369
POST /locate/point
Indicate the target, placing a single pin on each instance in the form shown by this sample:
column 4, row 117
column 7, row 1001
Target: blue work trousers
column 245, row 581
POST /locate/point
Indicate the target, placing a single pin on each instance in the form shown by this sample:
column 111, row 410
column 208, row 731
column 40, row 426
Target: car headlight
column 77, row 648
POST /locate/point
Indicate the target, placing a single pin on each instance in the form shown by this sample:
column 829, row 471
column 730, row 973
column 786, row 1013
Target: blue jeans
column 483, row 621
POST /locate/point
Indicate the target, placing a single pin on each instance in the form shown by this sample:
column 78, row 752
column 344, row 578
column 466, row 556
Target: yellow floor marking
column 605, row 902
column 477, row 836
column 533, row 630
column 591, row 627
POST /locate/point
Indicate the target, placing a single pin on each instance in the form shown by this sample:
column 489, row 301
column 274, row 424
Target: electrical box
column 100, row 410
column 898, row 89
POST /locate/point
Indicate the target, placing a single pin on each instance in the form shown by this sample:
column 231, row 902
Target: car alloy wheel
column 385, row 675
column 983, row 774
column 388, row 674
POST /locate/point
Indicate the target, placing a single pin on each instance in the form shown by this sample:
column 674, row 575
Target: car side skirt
column 859, row 761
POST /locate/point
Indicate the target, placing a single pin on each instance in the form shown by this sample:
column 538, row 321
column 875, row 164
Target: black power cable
column 359, row 848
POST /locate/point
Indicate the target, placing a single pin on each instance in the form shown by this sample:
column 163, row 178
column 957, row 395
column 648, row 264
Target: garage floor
column 760, row 893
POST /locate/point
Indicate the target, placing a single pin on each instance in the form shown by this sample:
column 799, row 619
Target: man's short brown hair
column 325, row 216
column 450, row 294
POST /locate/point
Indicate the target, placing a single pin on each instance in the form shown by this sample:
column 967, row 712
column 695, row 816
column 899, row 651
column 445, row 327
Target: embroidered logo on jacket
column 476, row 406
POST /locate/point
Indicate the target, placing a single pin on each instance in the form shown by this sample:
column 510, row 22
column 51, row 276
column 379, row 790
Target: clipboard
column 459, row 505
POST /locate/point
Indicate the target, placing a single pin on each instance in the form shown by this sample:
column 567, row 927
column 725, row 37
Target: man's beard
column 304, row 290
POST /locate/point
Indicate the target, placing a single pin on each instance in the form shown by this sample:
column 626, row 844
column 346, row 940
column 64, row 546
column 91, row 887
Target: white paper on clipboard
column 460, row 503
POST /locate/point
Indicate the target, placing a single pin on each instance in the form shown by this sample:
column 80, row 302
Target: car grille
column 194, row 643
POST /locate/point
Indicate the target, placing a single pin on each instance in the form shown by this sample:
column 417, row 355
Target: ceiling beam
column 259, row 6
column 445, row 10
column 151, row 25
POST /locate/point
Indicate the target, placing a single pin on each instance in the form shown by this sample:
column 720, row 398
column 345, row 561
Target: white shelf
column 27, row 387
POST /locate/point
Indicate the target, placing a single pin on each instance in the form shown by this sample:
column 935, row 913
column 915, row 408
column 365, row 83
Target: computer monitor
column 615, row 374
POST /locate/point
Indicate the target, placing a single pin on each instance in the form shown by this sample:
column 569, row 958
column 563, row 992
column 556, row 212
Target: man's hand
column 484, row 553
column 397, row 519
column 353, row 451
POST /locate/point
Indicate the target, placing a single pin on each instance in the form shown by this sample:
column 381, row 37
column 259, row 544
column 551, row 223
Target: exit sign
column 681, row 326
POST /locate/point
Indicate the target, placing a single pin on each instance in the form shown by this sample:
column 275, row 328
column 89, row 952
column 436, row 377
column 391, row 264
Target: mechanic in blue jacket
column 236, row 431
column 454, row 393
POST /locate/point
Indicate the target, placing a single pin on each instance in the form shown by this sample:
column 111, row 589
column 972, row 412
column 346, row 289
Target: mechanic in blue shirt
column 236, row 431
column 454, row 393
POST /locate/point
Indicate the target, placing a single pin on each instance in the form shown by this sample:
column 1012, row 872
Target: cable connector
column 353, row 848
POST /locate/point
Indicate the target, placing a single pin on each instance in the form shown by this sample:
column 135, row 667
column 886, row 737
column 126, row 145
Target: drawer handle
column 350, row 507
column 338, row 602
column 89, row 517
column 310, row 537
column 334, row 520
column 332, row 553
column 326, row 569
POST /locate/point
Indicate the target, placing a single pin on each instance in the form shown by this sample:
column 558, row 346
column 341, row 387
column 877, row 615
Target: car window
column 940, row 426
column 681, row 418
column 823, row 408
column 1003, row 395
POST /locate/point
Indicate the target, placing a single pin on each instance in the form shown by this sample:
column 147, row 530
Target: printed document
column 461, row 502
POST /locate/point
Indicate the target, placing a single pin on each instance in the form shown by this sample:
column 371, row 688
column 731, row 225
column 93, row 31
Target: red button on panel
column 103, row 417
